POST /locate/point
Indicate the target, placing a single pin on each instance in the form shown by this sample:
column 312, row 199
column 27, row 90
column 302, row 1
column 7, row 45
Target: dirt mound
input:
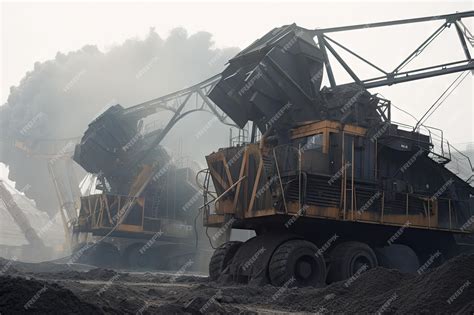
column 97, row 274
column 101, row 274
column 364, row 294
column 446, row 289
column 7, row 267
column 42, row 267
column 19, row 295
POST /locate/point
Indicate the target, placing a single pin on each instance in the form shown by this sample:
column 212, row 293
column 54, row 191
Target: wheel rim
column 305, row 268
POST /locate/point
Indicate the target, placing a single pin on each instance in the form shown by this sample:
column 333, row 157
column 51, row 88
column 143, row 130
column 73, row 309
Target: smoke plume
column 59, row 97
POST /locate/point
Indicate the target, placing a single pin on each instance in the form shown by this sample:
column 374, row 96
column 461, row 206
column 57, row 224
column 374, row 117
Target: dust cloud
column 59, row 97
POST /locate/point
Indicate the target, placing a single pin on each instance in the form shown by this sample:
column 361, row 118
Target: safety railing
column 411, row 209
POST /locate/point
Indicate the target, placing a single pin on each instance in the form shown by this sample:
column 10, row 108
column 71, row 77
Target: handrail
column 224, row 193
column 279, row 178
column 430, row 206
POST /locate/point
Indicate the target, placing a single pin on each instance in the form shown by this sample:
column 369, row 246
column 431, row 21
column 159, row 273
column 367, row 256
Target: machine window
column 314, row 142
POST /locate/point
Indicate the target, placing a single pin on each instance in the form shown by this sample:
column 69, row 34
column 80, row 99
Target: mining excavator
column 329, row 183
column 144, row 213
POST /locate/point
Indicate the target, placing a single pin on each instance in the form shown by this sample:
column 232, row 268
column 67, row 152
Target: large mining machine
column 329, row 183
column 145, row 214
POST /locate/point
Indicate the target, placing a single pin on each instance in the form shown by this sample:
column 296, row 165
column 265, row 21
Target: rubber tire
column 221, row 258
column 81, row 253
column 399, row 257
column 105, row 255
column 342, row 259
column 281, row 268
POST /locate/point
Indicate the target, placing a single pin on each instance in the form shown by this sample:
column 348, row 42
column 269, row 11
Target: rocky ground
column 49, row 288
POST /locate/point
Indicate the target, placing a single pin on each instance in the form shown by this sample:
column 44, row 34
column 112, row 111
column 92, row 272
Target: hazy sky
column 37, row 31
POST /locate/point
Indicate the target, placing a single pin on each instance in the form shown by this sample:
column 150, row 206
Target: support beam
column 463, row 41
column 408, row 76
column 322, row 46
column 343, row 63
column 355, row 54
column 420, row 48
column 447, row 17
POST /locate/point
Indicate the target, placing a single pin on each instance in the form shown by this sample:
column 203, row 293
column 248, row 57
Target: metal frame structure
column 396, row 75
column 176, row 102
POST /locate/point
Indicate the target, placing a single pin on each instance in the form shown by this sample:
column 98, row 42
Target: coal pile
column 447, row 289
column 20, row 295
